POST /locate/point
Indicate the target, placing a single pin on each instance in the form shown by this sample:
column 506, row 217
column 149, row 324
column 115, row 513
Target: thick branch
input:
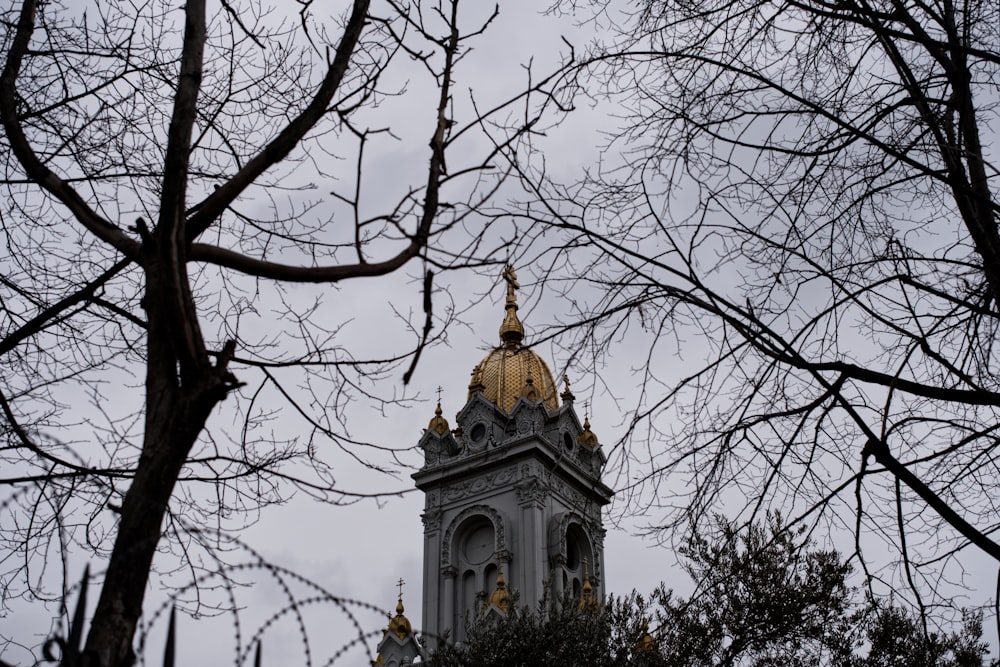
column 167, row 278
column 53, row 313
column 881, row 452
column 212, row 207
column 33, row 167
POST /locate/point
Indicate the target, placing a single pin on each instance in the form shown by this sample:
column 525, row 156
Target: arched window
column 478, row 540
column 475, row 540
column 578, row 549
column 468, row 596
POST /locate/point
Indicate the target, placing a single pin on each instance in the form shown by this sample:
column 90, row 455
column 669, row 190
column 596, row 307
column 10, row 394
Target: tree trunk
column 180, row 394
column 165, row 448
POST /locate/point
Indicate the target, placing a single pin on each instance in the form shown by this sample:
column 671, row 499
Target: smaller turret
column 399, row 644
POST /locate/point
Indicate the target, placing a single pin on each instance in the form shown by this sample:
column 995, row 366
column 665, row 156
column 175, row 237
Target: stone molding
column 499, row 531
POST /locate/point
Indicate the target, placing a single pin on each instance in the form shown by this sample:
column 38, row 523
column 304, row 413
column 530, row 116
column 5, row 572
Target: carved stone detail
column 432, row 520
column 462, row 490
column 499, row 530
column 531, row 490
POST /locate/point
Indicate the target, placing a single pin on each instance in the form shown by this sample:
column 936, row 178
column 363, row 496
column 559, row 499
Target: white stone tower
column 515, row 490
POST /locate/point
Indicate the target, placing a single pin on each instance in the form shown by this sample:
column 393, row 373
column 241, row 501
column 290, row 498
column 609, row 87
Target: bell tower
column 512, row 495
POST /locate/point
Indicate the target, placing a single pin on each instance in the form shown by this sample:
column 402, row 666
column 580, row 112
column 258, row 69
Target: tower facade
column 513, row 494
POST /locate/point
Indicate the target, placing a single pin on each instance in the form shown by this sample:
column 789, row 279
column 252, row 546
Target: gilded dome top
column 438, row 424
column 500, row 597
column 646, row 643
column 587, row 600
column 511, row 370
column 588, row 437
column 400, row 625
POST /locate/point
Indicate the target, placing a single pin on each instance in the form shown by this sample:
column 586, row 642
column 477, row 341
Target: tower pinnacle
column 511, row 330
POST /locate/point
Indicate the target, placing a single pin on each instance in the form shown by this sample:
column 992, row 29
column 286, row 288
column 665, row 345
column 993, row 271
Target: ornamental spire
column 511, row 330
column 500, row 597
column 399, row 625
column 588, row 437
column 438, row 424
column 588, row 602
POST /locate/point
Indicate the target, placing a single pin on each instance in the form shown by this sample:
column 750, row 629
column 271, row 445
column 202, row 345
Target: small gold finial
column 438, row 424
column 511, row 330
column 400, row 625
column 587, row 600
column 567, row 396
column 588, row 437
column 500, row 598
column 646, row 643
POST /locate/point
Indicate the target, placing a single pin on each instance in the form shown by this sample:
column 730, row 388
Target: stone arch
column 559, row 529
column 454, row 532
column 473, row 543
column 579, row 548
column 573, row 552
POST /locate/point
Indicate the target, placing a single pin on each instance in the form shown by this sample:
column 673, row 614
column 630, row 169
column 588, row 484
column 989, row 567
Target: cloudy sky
column 360, row 550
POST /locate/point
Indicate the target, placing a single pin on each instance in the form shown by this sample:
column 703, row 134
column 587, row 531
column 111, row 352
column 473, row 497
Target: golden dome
column 646, row 643
column 507, row 374
column 500, row 597
column 587, row 601
column 438, row 424
column 511, row 371
column 400, row 625
column 588, row 437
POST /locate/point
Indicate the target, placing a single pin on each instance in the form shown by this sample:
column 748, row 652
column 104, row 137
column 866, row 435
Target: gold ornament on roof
column 587, row 437
column 646, row 643
column 500, row 598
column 438, row 424
column 400, row 625
column 502, row 376
column 588, row 602
column 511, row 329
column 476, row 384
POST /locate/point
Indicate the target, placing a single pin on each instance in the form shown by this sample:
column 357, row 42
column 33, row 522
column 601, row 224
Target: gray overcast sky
column 359, row 551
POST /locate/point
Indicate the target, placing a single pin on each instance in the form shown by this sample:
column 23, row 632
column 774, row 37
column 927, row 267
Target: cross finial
column 586, row 410
column 439, row 393
column 400, row 584
column 512, row 284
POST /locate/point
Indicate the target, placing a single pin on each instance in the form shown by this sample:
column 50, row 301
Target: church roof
column 511, row 371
